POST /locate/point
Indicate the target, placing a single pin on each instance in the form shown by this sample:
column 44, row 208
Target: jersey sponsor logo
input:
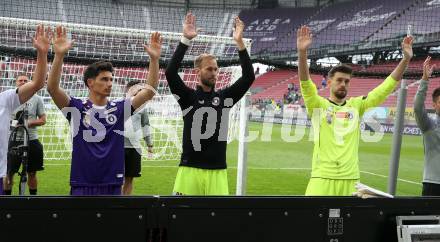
column 344, row 115
column 111, row 119
column 229, row 102
column 111, row 110
column 216, row 101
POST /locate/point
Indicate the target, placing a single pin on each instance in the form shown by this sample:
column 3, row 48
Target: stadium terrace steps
column 417, row 15
column 277, row 90
column 358, row 87
column 415, row 66
column 271, row 78
column 412, row 90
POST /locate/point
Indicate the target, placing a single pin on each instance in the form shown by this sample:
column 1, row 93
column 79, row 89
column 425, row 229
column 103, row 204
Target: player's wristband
column 185, row 41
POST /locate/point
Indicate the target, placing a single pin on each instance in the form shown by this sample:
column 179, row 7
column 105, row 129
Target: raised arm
column 153, row 50
column 61, row 45
column 379, row 94
column 308, row 89
column 176, row 84
column 41, row 42
column 407, row 51
column 242, row 85
column 303, row 42
column 421, row 115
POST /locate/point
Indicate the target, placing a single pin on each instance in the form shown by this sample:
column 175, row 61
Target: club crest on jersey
column 111, row 119
column 201, row 101
column 329, row 115
column 216, row 101
column 329, row 118
column 86, row 120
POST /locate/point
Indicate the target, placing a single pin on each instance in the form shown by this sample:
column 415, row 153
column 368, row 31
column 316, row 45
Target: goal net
column 124, row 48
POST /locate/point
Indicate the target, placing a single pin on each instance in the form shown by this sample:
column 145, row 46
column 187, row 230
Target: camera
column 21, row 116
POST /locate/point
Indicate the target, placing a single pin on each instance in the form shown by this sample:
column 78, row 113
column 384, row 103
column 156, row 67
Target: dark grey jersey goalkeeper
column 206, row 110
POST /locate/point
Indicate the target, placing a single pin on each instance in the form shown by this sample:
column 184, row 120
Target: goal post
column 124, row 48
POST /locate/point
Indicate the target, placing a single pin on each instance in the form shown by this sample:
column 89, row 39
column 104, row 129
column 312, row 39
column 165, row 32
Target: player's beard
column 208, row 83
column 341, row 93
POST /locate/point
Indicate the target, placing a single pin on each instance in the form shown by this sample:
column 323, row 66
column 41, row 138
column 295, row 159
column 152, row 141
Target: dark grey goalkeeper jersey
column 206, row 113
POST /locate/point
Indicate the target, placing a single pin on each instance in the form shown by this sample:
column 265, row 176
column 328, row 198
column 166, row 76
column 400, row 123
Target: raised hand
column 42, row 38
column 189, row 26
column 155, row 46
column 61, row 42
column 427, row 68
column 303, row 38
column 407, row 47
column 238, row 29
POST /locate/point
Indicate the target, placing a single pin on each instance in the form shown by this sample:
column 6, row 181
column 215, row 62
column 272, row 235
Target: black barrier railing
column 170, row 219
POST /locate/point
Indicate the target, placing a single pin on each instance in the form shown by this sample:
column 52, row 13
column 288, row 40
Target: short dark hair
column 435, row 94
column 94, row 69
column 21, row 74
column 340, row 68
column 130, row 84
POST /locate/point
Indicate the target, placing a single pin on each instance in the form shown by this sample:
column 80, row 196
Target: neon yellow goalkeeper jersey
column 336, row 129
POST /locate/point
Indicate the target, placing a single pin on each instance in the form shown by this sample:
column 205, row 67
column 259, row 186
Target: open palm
column 303, row 38
column 238, row 30
column 189, row 26
column 61, row 42
column 155, row 45
column 42, row 38
column 428, row 68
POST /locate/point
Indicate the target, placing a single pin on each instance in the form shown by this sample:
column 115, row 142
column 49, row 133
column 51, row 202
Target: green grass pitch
column 275, row 167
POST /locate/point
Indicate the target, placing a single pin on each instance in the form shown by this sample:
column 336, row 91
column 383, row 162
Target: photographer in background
column 11, row 99
column 36, row 117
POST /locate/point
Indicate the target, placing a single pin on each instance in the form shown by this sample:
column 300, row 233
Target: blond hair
column 199, row 59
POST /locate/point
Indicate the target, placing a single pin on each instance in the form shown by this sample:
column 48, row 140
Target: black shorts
column 132, row 163
column 35, row 157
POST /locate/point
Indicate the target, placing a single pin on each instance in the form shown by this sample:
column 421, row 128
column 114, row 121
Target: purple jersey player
column 97, row 123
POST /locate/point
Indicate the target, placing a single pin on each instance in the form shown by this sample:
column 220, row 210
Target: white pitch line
column 402, row 180
column 264, row 168
column 274, row 168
